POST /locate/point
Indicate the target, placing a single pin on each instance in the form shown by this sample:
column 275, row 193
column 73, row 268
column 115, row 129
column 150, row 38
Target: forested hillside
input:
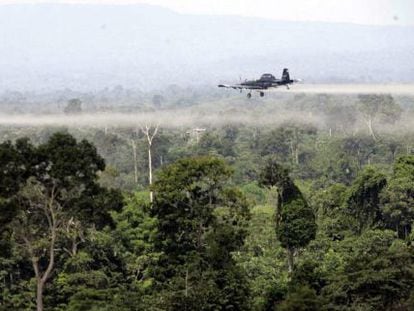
column 56, row 45
column 209, row 202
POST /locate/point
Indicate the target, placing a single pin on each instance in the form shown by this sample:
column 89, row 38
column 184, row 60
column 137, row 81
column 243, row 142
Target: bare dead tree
column 150, row 134
column 134, row 152
column 376, row 106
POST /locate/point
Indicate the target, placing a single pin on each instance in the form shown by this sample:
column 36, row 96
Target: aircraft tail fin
column 285, row 75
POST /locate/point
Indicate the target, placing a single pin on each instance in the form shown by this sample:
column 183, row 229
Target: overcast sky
column 371, row 12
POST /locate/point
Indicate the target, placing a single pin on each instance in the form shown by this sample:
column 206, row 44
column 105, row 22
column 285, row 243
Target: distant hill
column 89, row 47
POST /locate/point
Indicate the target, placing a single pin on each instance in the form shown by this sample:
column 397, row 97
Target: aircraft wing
column 227, row 86
column 241, row 87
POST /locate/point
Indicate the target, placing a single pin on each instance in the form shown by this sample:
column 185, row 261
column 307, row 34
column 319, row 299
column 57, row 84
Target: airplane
column 265, row 82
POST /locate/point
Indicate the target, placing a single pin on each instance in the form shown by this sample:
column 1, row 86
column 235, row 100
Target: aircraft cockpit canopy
column 267, row 77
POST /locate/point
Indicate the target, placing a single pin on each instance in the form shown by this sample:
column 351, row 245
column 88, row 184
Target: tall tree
column 376, row 106
column 332, row 219
column 363, row 198
column 150, row 135
column 397, row 199
column 378, row 274
column 55, row 187
column 340, row 117
column 74, row 106
column 200, row 223
column 295, row 220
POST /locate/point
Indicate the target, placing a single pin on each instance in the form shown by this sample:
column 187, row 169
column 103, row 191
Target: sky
column 370, row 12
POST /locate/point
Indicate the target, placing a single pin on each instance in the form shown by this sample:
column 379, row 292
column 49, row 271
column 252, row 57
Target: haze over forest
column 130, row 181
column 51, row 47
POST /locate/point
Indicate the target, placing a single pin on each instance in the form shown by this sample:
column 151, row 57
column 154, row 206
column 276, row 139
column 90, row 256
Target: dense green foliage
column 291, row 216
column 295, row 220
column 200, row 224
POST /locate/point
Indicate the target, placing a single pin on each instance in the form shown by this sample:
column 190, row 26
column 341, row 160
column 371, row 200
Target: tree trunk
column 134, row 150
column 297, row 155
column 371, row 131
column 39, row 295
column 150, row 172
column 150, row 138
column 186, row 283
column 278, row 208
column 186, row 289
column 291, row 259
column 41, row 279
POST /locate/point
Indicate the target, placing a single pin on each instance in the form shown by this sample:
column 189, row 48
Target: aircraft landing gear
column 249, row 95
column 261, row 94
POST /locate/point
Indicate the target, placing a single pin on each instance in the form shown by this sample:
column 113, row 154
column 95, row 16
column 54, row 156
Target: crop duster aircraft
column 265, row 82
